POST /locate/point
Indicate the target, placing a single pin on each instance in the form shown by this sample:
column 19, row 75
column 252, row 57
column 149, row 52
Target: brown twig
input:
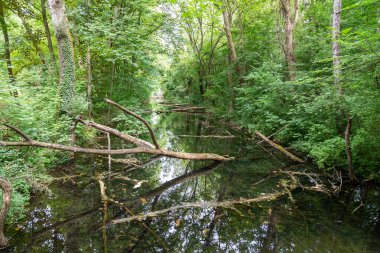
column 152, row 135
column 23, row 135
column 138, row 150
column 136, row 141
column 209, row 136
column 279, row 148
column 202, row 204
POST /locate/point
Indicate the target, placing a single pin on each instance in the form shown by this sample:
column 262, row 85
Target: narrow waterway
column 70, row 217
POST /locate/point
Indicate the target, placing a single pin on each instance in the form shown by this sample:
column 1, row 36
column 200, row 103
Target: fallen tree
column 279, row 148
column 142, row 146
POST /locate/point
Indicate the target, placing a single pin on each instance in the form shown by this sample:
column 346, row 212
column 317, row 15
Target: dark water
column 70, row 218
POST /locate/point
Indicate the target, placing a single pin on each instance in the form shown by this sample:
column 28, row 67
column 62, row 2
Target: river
column 70, row 218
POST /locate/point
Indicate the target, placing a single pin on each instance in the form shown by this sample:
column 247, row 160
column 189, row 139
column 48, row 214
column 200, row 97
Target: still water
column 70, row 217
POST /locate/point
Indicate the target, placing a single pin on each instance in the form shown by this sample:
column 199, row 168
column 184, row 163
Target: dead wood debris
column 142, row 147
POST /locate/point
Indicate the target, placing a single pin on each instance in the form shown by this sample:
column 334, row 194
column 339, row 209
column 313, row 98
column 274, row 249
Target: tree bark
column 7, row 197
column 279, row 148
column 89, row 82
column 48, row 36
column 66, row 54
column 290, row 21
column 337, row 70
column 138, row 150
column 4, row 28
column 231, row 46
column 347, row 134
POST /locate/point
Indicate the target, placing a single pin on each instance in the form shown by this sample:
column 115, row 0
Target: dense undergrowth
column 310, row 111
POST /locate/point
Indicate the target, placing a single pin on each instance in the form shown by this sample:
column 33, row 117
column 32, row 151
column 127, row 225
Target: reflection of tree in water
column 310, row 223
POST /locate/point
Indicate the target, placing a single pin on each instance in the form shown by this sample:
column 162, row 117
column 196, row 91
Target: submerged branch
column 202, row 204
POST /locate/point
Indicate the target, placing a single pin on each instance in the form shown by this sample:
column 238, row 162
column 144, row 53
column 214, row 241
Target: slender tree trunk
column 4, row 28
column 115, row 14
column 290, row 21
column 77, row 45
column 337, row 70
column 66, row 54
column 48, row 36
column 231, row 46
column 113, row 70
column 201, row 82
column 89, row 82
column 230, row 85
column 347, row 134
column 31, row 37
column 7, row 191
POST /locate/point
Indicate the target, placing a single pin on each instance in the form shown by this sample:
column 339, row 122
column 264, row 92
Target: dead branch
column 128, row 161
column 136, row 141
column 279, row 130
column 138, row 150
column 209, row 136
column 23, row 135
column 192, row 109
column 279, row 148
column 152, row 135
column 202, row 204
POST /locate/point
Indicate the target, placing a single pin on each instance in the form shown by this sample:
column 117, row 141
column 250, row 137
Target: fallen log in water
column 279, row 148
column 209, row 136
column 142, row 147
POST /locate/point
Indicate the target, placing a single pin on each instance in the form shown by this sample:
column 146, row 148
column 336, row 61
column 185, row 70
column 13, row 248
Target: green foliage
column 311, row 114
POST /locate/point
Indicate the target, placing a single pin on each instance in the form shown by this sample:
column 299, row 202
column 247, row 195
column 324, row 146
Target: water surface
column 70, row 219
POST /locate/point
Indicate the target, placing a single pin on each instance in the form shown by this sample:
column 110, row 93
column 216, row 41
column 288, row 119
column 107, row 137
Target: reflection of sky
column 232, row 232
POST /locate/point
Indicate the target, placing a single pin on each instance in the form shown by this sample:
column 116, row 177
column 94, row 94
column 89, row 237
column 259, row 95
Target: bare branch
column 202, row 204
column 152, row 135
column 18, row 131
column 279, row 148
column 139, row 150
column 126, row 137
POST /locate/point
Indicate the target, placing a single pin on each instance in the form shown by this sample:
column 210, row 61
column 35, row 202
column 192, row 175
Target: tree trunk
column 6, row 42
column 48, row 36
column 7, row 191
column 89, row 82
column 66, row 54
column 231, row 46
column 290, row 21
column 337, row 70
column 351, row 173
column 113, row 70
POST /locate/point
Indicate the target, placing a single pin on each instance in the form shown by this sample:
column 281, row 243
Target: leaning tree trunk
column 7, row 191
column 231, row 46
column 6, row 42
column 66, row 54
column 337, row 9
